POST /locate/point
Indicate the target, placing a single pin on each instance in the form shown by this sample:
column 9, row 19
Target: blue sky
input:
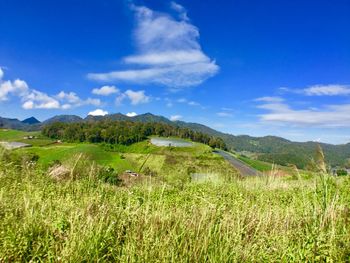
column 243, row 67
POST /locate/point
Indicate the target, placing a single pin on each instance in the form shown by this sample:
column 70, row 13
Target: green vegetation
column 269, row 149
column 72, row 202
column 62, row 152
column 341, row 172
column 14, row 135
column 19, row 136
column 123, row 132
column 256, row 164
column 86, row 218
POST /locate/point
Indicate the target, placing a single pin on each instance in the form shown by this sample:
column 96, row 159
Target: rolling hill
column 268, row 148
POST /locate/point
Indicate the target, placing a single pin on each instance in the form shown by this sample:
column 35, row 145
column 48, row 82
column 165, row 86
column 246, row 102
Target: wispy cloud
column 226, row 109
column 325, row 116
column 168, row 52
column 327, row 90
column 180, row 9
column 224, row 114
column 321, row 90
column 188, row 102
column 270, row 99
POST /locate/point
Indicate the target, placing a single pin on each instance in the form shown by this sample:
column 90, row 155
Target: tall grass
column 84, row 219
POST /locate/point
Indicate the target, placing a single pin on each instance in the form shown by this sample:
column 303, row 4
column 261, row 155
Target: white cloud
column 119, row 99
column 98, row 112
column 168, row 53
column 131, row 114
column 66, row 106
column 39, row 100
column 34, row 99
column 135, row 97
column 71, row 97
column 321, row 90
column 28, row 105
column 17, row 88
column 327, row 90
column 91, row 101
column 188, row 102
column 180, row 9
column 105, row 90
column 175, row 117
column 72, row 100
column 326, row 116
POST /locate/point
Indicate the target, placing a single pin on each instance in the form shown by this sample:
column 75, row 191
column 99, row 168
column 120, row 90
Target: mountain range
column 269, row 148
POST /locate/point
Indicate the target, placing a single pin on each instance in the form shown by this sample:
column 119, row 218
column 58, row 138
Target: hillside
column 268, row 148
column 165, row 216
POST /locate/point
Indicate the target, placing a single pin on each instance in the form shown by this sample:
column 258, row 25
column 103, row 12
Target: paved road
column 243, row 168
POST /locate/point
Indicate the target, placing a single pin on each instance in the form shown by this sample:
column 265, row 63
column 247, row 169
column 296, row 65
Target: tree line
column 123, row 132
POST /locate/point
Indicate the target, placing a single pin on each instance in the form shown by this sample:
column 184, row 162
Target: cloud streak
column 321, row 90
column 327, row 116
column 168, row 52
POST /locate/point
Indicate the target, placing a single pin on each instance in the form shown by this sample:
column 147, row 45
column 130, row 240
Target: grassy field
column 18, row 136
column 14, row 135
column 62, row 152
column 270, row 219
column 256, row 164
column 163, row 215
column 169, row 163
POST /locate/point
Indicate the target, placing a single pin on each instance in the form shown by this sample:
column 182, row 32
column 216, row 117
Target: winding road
column 243, row 168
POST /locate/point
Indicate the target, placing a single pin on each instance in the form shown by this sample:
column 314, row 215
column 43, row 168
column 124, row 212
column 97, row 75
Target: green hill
column 269, row 148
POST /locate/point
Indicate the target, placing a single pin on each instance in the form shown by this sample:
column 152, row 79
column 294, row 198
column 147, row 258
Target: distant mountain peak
column 31, row 120
column 64, row 118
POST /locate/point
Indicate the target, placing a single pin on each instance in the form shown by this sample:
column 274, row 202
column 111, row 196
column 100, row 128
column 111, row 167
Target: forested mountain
column 64, row 119
column 268, row 148
column 31, row 120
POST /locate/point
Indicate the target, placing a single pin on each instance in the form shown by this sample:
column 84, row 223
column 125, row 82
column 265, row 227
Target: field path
column 244, row 169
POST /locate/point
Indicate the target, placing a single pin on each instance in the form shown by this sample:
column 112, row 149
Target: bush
column 342, row 172
column 109, row 175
